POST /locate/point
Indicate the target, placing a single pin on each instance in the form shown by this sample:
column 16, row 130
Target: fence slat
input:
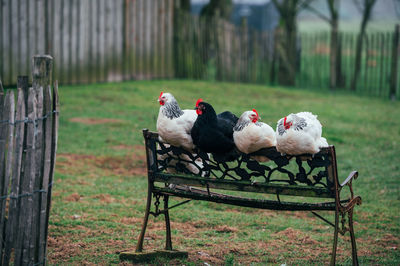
column 7, row 139
column 12, row 222
column 78, row 42
column 48, row 108
column 54, row 140
column 25, row 218
column 1, row 41
column 38, row 174
column 61, row 51
column 395, row 63
column 1, row 100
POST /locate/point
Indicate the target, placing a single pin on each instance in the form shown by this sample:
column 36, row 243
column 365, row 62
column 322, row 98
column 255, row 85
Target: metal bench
column 304, row 175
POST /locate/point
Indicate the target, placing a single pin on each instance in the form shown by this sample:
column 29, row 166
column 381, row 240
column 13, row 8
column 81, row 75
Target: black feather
column 228, row 116
column 212, row 133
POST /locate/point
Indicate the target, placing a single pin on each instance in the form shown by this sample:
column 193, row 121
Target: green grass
column 100, row 186
column 313, row 25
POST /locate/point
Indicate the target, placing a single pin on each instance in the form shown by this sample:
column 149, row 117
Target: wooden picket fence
column 28, row 144
column 379, row 65
column 90, row 40
column 102, row 40
column 218, row 50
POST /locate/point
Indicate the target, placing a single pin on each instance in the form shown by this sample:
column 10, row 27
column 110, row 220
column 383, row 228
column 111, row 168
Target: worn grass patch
column 100, row 183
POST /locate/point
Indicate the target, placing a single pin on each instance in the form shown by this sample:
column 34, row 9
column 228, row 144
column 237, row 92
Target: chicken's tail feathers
column 322, row 143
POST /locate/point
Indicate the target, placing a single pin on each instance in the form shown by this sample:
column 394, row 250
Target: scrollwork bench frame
column 245, row 177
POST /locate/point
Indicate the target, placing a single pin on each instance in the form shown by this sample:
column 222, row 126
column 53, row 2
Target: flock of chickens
column 223, row 134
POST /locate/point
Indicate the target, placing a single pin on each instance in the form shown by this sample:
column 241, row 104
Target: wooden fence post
column 41, row 75
column 395, row 64
column 6, row 140
column 13, row 218
column 1, row 45
column 23, row 83
column 1, row 100
column 125, row 37
column 42, row 66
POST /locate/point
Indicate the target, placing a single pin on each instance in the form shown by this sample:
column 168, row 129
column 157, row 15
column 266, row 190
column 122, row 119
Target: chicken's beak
column 259, row 118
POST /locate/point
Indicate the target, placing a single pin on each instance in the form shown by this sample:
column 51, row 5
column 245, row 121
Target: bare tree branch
column 358, row 6
column 318, row 13
column 304, row 4
column 278, row 6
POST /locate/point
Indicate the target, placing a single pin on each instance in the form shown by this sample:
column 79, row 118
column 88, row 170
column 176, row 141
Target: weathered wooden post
column 41, row 83
column 42, row 66
column 23, row 84
column 6, row 147
column 395, row 64
column 1, row 99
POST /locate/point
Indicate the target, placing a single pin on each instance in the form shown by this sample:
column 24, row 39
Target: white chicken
column 299, row 134
column 250, row 135
column 173, row 124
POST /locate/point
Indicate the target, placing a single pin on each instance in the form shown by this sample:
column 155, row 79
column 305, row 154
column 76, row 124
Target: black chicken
column 212, row 133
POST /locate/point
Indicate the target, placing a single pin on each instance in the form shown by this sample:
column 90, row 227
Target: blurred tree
column 212, row 14
column 365, row 7
column 181, row 10
column 286, row 38
column 336, row 77
column 221, row 7
column 184, row 5
column 396, row 4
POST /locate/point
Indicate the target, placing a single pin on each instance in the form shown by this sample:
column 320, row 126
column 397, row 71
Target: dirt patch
column 298, row 236
column 62, row 249
column 74, row 197
column 104, row 198
column 95, row 121
column 131, row 220
column 128, row 165
column 122, row 147
column 226, row 229
column 385, row 242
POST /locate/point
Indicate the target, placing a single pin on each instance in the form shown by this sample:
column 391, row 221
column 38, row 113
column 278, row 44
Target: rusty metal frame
column 342, row 210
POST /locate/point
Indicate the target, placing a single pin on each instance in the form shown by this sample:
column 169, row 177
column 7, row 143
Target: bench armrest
column 349, row 179
column 353, row 200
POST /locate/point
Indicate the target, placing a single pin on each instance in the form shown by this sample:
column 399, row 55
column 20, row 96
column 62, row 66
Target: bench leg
column 335, row 238
column 139, row 246
column 168, row 242
column 353, row 238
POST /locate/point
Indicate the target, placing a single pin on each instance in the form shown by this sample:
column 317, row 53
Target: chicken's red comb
column 198, row 101
column 160, row 94
column 255, row 111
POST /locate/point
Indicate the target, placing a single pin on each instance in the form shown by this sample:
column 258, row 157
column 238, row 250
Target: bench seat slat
column 270, row 188
column 199, row 194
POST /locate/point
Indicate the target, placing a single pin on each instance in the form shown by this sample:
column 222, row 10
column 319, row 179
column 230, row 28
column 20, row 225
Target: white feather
column 305, row 140
column 253, row 137
column 176, row 131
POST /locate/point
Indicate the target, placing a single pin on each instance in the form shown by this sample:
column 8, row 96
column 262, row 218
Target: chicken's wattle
column 160, row 100
column 255, row 118
column 198, row 110
column 286, row 125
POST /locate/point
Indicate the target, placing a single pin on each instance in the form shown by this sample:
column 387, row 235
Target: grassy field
column 100, row 182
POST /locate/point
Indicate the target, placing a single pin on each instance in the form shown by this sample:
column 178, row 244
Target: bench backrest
column 302, row 175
